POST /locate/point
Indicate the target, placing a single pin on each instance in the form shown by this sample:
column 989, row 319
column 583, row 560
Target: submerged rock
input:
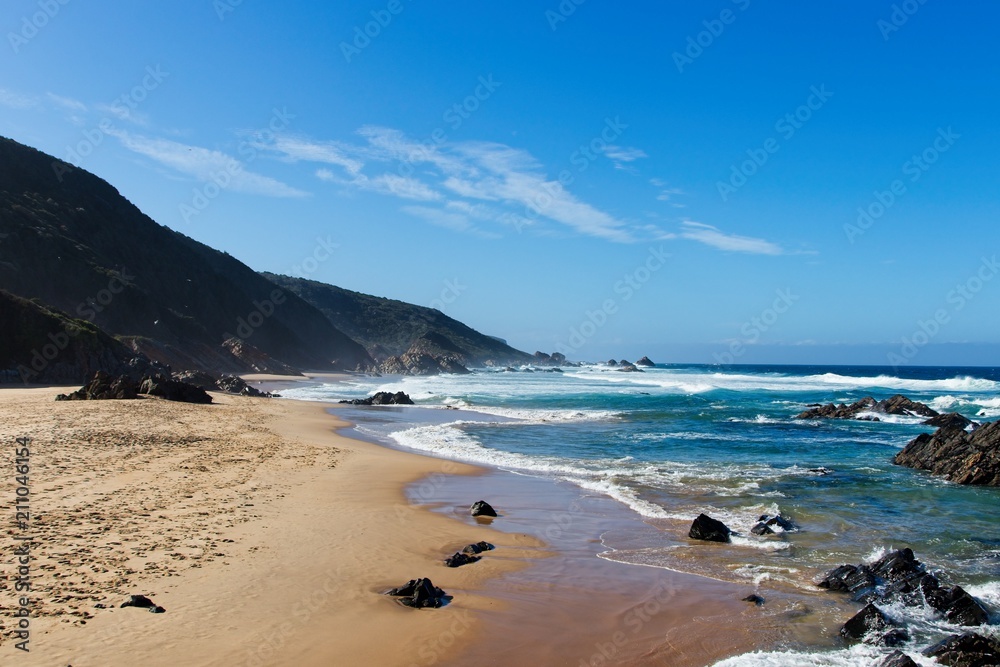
column 966, row 650
column 711, row 530
column 957, row 455
column 482, row 508
column 754, row 598
column 898, row 659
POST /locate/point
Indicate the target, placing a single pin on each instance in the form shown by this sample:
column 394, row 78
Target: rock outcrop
column 103, row 386
column 951, row 419
column 966, row 650
column 894, row 405
column 645, row 361
column 173, row 390
column 957, row 455
column 382, row 398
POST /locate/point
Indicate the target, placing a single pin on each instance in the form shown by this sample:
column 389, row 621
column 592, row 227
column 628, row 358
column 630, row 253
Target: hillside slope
column 77, row 245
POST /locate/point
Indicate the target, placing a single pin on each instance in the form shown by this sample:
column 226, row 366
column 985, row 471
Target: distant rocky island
column 89, row 283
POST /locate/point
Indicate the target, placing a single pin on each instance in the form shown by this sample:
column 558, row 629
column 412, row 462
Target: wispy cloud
column 712, row 236
column 206, row 165
column 66, row 102
column 13, row 100
column 473, row 170
column 449, row 220
column 619, row 155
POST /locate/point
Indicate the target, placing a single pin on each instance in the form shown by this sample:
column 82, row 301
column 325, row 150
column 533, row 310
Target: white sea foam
column 860, row 655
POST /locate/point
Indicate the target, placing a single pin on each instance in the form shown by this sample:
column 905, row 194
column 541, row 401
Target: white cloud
column 620, row 155
column 206, row 165
column 308, row 151
column 13, row 100
column 471, row 170
column 66, row 102
column 449, row 220
column 712, row 236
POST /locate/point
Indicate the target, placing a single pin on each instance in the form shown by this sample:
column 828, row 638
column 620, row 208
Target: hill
column 71, row 241
column 389, row 328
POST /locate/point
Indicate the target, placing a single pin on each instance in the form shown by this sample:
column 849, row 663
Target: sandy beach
column 268, row 538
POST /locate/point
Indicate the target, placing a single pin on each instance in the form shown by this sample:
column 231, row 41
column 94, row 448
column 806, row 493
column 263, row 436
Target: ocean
column 679, row 440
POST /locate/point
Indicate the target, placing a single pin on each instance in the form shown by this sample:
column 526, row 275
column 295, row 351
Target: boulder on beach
column 173, row 390
column 711, row 530
column 482, row 508
column 419, row 594
column 957, row 455
column 478, row 548
column 966, row 650
column 104, row 387
column 460, row 558
column 143, row 602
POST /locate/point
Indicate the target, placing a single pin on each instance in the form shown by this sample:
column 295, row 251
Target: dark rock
column 966, row 650
column 957, row 455
column 482, row 508
column 778, row 520
column 197, row 378
column 854, row 579
column 612, row 362
column 645, row 361
column 822, row 472
column 898, row 659
column 762, row 529
column 709, row 529
column 382, row 398
column 626, row 367
column 138, row 601
column 173, row 390
column 894, row 405
column 234, row 384
column 459, row 559
column 898, row 565
column 869, row 624
column 419, row 594
column 954, row 603
column 756, row 599
column 952, row 419
column 104, row 387
column 156, row 609
column 869, row 418
column 478, row 548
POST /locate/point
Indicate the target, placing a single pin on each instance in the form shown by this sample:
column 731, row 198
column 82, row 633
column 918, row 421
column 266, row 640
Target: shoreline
column 281, row 563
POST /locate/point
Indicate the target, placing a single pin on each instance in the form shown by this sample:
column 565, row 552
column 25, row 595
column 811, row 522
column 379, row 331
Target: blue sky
column 683, row 180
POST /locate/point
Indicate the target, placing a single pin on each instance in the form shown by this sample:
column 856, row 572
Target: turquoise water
column 675, row 441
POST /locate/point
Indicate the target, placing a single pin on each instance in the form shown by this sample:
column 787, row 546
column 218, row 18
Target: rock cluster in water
column 382, row 398
column 956, row 454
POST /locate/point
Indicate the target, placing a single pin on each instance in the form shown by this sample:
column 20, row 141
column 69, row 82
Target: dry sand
column 266, row 537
